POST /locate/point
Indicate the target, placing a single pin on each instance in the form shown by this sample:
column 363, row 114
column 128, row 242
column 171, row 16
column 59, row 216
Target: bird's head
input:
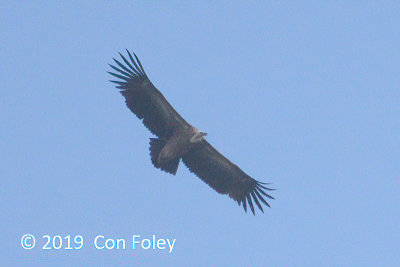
column 198, row 136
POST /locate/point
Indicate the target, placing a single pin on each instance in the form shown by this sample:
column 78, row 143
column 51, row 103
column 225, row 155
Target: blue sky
column 303, row 94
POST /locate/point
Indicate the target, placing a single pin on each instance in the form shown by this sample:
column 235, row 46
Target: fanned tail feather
column 156, row 145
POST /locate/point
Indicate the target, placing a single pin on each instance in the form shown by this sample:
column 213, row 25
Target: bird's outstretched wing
column 225, row 177
column 144, row 99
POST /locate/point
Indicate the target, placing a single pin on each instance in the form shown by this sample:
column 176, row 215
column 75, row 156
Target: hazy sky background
column 303, row 94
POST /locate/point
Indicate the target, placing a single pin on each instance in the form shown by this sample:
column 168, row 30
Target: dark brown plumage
column 178, row 140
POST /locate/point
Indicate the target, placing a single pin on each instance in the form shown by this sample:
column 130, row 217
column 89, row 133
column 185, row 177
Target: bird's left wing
column 225, row 177
column 145, row 100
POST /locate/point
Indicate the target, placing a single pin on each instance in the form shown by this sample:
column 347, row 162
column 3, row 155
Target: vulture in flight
column 177, row 139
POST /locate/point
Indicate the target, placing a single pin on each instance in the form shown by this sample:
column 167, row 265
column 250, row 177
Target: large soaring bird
column 178, row 140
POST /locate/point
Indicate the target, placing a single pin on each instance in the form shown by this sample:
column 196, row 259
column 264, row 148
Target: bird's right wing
column 145, row 100
column 225, row 177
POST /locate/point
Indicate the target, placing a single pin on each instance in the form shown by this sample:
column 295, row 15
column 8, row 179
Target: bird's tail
column 155, row 147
